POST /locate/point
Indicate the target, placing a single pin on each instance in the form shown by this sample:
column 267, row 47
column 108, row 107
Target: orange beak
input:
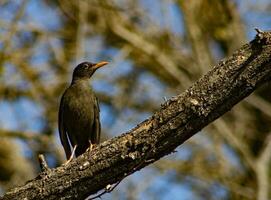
column 100, row 64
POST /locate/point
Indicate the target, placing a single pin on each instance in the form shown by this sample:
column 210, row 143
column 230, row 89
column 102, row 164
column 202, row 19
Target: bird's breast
column 79, row 105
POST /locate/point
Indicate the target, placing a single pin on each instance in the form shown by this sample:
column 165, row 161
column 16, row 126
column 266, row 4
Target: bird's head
column 86, row 69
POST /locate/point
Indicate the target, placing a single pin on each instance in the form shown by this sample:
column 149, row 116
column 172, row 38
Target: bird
column 79, row 113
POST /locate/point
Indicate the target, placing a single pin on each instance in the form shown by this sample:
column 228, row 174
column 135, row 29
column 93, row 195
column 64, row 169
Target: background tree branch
column 178, row 119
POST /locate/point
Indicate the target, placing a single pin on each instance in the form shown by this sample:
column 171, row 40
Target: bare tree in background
column 36, row 64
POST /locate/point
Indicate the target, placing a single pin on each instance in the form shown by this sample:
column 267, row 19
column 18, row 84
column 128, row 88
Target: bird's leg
column 90, row 146
column 72, row 155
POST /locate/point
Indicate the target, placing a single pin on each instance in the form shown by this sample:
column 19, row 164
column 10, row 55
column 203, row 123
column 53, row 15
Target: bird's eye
column 85, row 66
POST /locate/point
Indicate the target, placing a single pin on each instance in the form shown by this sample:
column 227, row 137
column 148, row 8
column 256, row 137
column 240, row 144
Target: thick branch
column 178, row 119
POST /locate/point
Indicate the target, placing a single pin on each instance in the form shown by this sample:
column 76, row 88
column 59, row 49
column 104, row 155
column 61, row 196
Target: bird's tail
column 80, row 150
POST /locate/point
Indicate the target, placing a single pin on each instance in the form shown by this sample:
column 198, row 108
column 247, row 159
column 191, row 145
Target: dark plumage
column 79, row 120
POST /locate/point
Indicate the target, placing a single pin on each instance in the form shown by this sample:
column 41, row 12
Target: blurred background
column 156, row 49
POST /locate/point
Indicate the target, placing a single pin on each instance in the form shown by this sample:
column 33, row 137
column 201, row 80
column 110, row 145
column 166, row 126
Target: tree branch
column 262, row 171
column 179, row 118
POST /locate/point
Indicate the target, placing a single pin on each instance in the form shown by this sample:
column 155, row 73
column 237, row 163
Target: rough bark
column 178, row 119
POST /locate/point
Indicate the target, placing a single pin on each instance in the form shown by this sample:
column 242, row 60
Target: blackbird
column 79, row 114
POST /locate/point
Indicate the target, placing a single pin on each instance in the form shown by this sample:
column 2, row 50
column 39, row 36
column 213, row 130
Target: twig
column 43, row 164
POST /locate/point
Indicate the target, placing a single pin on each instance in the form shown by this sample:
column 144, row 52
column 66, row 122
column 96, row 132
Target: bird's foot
column 68, row 161
column 91, row 146
column 71, row 157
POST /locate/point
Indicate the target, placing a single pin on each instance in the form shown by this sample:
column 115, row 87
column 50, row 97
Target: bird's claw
column 91, row 146
column 71, row 157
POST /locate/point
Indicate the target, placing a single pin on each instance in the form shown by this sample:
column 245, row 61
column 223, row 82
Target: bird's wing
column 62, row 130
column 97, row 125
